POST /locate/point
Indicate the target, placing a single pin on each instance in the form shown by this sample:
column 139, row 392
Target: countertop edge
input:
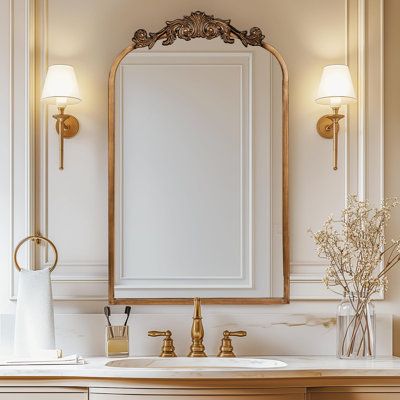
column 307, row 367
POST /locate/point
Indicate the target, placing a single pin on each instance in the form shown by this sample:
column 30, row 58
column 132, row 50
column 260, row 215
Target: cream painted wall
column 4, row 154
column 90, row 40
column 392, row 146
column 90, row 44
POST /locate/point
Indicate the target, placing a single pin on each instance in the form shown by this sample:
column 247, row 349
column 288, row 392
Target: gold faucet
column 168, row 349
column 197, row 348
column 226, row 349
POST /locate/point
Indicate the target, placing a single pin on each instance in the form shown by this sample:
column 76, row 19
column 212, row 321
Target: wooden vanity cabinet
column 354, row 393
column 197, row 394
column 42, row 393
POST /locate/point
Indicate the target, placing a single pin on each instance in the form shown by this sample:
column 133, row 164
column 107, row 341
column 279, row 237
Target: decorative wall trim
column 71, row 274
column 242, row 61
column 361, row 24
column 365, row 150
column 11, row 132
column 22, row 142
column 83, row 284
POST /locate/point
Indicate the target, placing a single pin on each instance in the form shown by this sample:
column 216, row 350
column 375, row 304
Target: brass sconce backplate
column 325, row 127
column 71, row 127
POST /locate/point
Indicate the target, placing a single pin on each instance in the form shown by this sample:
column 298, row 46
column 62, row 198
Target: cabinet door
column 354, row 393
column 40, row 393
column 195, row 394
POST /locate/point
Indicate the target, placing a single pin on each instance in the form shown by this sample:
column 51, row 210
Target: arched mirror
column 198, row 167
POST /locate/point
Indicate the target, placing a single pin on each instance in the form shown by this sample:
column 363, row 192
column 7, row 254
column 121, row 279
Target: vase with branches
column 359, row 261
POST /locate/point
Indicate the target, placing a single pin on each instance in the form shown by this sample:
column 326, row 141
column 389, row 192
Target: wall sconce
column 61, row 88
column 335, row 89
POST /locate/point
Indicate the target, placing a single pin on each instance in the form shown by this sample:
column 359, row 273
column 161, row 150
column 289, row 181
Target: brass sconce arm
column 328, row 128
column 67, row 126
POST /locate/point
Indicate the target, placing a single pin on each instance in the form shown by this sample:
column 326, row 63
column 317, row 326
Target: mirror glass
column 198, row 174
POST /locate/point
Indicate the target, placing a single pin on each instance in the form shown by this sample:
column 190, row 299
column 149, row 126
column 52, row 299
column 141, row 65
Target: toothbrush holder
column 117, row 341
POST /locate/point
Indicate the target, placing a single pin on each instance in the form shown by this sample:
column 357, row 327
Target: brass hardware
column 61, row 88
column 226, row 349
column 168, row 349
column 335, row 89
column 199, row 25
column 36, row 239
column 37, row 234
column 328, row 128
column 117, row 341
column 67, row 127
column 197, row 348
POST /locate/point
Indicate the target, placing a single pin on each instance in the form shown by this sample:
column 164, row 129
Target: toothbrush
column 107, row 313
column 128, row 313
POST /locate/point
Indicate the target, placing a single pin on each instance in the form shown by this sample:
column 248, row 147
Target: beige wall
column 101, row 28
column 392, row 143
column 89, row 41
column 4, row 155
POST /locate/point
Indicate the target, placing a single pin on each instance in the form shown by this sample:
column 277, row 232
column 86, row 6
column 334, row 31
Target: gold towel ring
column 36, row 238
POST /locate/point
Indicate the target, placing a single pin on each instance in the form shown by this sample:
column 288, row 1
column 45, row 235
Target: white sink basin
column 212, row 363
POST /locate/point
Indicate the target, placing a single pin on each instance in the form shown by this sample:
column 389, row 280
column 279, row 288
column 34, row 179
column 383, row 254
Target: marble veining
column 267, row 334
column 309, row 320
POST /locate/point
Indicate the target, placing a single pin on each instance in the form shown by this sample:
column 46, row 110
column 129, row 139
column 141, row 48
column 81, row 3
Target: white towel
column 34, row 320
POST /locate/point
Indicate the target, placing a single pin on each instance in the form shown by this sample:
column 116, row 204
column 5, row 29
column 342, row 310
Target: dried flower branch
column 355, row 246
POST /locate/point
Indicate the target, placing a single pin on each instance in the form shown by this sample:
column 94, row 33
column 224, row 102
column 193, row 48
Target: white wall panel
column 21, row 132
column 73, row 203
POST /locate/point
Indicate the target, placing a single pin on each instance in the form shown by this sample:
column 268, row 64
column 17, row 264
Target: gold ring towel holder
column 37, row 239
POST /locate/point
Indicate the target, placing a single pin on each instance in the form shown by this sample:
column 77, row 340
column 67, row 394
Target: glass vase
column 356, row 338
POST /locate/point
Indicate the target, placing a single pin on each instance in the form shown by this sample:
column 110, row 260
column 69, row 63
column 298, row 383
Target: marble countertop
column 298, row 367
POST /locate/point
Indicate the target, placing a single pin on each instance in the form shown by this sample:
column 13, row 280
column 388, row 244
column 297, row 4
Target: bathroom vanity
column 313, row 378
column 236, row 207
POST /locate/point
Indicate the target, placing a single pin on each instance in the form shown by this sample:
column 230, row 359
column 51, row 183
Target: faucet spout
column 197, row 308
column 197, row 348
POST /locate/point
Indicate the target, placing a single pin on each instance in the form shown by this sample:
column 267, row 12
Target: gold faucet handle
column 226, row 349
column 234, row 333
column 159, row 333
column 168, row 349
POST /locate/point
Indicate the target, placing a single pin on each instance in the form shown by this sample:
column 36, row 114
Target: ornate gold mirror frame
column 198, row 25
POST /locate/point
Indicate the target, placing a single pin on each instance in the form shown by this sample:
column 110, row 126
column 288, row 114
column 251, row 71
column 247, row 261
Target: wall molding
column 363, row 148
column 22, row 140
column 241, row 61
column 71, row 276
column 364, row 142
column 28, row 24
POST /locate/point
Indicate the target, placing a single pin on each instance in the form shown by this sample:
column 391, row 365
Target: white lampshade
column 61, row 86
column 336, row 87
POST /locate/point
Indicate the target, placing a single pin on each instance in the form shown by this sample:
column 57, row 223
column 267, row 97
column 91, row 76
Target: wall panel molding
column 81, row 280
column 363, row 145
column 73, row 279
column 133, row 279
column 22, row 140
column 364, row 131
